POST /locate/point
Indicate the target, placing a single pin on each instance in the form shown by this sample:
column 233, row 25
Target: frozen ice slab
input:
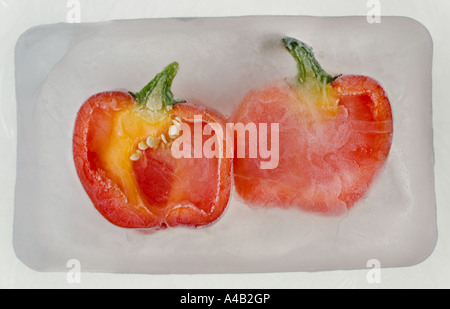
column 59, row 66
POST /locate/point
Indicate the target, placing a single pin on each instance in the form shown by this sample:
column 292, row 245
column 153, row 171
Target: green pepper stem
column 157, row 94
column 308, row 66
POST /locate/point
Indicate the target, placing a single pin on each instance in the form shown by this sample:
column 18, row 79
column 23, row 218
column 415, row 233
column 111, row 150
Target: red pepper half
column 335, row 134
column 122, row 153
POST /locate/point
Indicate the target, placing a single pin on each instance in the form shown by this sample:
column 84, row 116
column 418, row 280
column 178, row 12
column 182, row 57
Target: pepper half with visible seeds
column 122, row 154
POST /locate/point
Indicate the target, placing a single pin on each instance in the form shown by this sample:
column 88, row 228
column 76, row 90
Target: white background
column 16, row 16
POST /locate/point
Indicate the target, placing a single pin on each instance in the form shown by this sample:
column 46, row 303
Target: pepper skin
column 335, row 136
